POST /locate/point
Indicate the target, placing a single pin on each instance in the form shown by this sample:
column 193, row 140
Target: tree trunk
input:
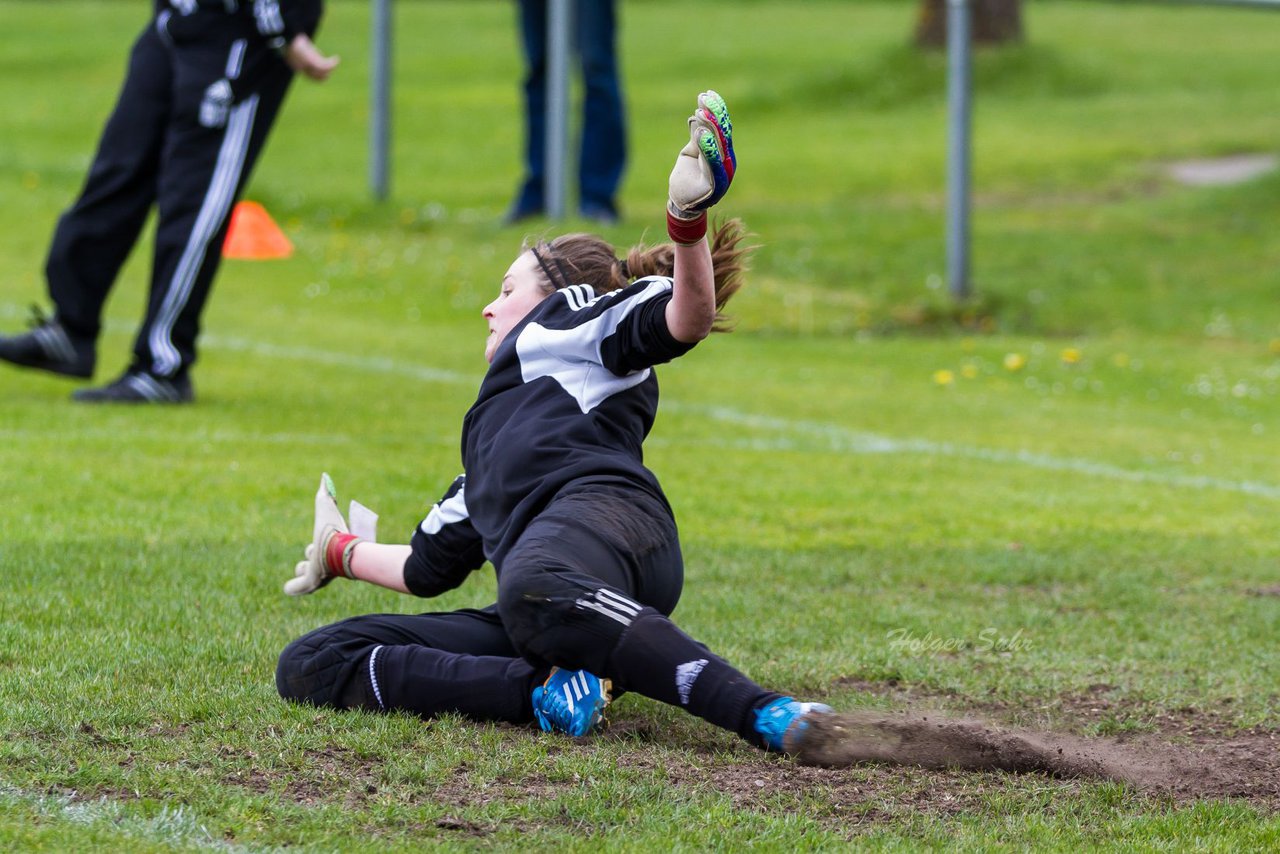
column 994, row 22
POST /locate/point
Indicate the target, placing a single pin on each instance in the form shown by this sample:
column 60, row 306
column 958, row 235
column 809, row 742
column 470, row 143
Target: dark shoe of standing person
column 49, row 347
column 139, row 387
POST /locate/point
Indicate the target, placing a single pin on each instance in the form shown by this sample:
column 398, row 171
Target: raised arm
column 702, row 175
column 692, row 308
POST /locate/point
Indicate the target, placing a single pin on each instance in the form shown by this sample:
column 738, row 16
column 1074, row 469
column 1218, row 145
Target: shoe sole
column 49, row 368
column 116, row 401
column 82, row 397
column 598, row 720
column 125, row 392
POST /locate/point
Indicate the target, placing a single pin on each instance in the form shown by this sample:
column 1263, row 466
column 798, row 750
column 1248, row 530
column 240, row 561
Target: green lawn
column 1082, row 464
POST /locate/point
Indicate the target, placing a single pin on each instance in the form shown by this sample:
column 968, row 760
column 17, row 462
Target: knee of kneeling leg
column 289, row 668
column 309, row 671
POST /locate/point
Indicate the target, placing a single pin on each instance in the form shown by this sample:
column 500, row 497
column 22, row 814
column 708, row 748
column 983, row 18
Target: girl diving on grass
column 556, row 497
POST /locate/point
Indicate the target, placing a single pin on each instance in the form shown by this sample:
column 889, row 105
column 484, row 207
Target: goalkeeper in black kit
column 556, row 497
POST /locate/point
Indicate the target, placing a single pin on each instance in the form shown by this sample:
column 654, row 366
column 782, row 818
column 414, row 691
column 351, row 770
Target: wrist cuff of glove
column 338, row 548
column 686, row 232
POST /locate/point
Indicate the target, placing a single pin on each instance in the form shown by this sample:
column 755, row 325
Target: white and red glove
column 329, row 554
column 703, row 171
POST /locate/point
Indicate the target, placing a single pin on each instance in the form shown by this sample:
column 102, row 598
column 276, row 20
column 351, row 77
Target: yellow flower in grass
column 1274, row 347
column 944, row 377
column 1070, row 356
column 1014, row 361
column 969, row 370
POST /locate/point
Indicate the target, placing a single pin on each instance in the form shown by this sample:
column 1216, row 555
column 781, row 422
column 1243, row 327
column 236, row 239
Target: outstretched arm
column 334, row 551
column 445, row 549
column 381, row 564
column 702, row 175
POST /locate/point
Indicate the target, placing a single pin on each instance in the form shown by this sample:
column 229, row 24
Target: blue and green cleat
column 571, row 701
column 781, row 722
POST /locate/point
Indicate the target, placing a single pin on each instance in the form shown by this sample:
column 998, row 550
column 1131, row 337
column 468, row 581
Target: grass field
column 1055, row 508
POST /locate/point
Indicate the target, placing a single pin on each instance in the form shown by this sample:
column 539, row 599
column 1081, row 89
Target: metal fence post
column 380, row 112
column 555, row 164
column 959, row 94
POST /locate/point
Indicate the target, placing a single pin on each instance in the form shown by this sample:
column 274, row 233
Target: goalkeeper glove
column 329, row 553
column 703, row 171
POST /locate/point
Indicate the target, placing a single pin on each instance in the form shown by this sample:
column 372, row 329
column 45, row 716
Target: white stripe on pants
column 213, row 211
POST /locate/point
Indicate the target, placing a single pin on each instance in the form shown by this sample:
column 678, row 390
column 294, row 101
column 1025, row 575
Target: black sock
column 656, row 659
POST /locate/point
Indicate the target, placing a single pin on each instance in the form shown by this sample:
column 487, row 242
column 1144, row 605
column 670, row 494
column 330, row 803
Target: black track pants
column 427, row 664
column 154, row 150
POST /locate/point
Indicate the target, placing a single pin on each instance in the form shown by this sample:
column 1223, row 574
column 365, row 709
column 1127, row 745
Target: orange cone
column 254, row 235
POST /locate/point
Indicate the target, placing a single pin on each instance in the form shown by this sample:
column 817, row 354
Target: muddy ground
column 876, row 767
column 863, row 768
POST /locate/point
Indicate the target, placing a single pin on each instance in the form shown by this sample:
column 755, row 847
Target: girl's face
column 521, row 291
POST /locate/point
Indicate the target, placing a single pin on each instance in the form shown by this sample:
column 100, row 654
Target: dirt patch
column 325, row 774
column 843, row 798
column 869, row 766
column 856, row 771
column 1184, row 753
column 1245, row 767
column 466, row 828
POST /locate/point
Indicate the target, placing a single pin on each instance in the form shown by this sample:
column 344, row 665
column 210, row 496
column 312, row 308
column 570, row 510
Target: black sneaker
column 49, row 347
column 139, row 387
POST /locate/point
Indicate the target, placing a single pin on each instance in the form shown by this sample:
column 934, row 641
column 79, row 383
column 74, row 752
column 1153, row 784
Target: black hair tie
column 564, row 274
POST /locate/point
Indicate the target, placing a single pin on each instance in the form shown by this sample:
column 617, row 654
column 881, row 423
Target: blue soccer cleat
column 785, row 715
column 571, row 701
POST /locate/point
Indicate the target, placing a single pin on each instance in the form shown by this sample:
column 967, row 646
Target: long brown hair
column 585, row 259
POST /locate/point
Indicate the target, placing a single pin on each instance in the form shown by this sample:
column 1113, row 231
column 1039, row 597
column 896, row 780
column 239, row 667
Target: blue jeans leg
column 604, row 134
column 533, row 31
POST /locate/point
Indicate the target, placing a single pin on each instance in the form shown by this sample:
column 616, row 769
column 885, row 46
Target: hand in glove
column 703, row 171
column 329, row 553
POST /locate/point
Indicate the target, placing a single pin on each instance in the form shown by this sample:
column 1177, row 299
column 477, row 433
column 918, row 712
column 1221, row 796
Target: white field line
column 832, row 438
column 796, row 435
column 172, row 827
column 318, row 356
column 835, row 439
column 314, row 355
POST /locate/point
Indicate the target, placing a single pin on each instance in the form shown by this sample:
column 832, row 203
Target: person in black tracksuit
column 206, row 79
column 556, row 496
